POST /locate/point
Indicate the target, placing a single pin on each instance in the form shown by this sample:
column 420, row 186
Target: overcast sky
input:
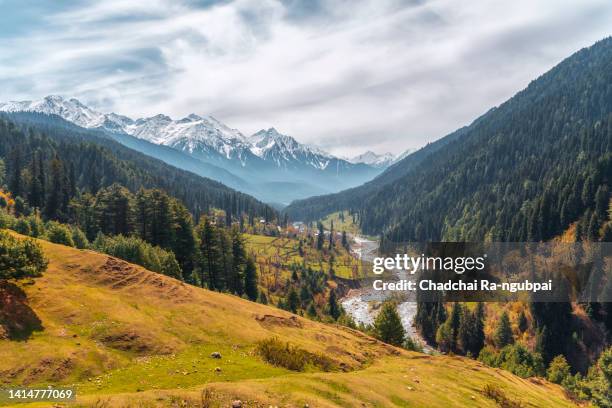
column 384, row 75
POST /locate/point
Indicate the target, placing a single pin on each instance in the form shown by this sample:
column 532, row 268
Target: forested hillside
column 88, row 161
column 524, row 171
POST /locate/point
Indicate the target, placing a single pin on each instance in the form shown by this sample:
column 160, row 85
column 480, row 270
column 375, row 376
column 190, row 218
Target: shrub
column 488, row 356
column 22, row 226
column 444, row 336
column 7, row 220
column 597, row 385
column 515, row 358
column 37, row 227
column 291, row 357
column 135, row 250
column 79, row 238
column 59, row 234
column 20, row 258
column 495, row 393
column 558, row 370
column 413, row 345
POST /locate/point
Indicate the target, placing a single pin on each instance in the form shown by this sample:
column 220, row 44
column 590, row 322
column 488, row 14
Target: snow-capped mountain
column 70, row 109
column 373, row 159
column 286, row 151
column 197, row 135
column 269, row 159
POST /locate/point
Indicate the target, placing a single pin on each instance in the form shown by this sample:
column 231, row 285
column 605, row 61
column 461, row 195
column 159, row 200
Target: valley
column 90, row 304
column 177, row 262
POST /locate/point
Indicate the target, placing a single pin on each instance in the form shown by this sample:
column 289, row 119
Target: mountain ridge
column 526, row 160
column 258, row 162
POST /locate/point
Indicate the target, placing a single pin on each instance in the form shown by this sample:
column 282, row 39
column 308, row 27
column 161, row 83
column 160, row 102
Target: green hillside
column 125, row 336
column 524, row 171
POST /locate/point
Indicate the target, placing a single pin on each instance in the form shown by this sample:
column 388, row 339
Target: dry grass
column 128, row 337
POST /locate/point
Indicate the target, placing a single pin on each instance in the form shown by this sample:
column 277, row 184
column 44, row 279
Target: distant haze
column 349, row 76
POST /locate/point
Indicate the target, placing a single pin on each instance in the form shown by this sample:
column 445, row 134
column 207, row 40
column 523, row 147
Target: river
column 363, row 304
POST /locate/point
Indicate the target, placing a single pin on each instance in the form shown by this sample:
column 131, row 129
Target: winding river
column 363, row 304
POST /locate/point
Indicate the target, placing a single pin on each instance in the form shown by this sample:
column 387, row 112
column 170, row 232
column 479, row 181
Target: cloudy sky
column 346, row 75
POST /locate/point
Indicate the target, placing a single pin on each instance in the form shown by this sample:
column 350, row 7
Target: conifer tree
column 333, row 306
column 312, row 311
column 467, row 332
column 35, row 195
column 320, row 237
column 479, row 323
column 455, row 322
column 388, row 325
column 183, row 244
column 250, row 279
column 523, row 324
column 293, row 300
column 236, row 282
column 503, row 334
column 53, row 204
column 15, row 181
column 209, row 254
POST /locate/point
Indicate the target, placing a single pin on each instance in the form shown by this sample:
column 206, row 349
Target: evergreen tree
column 479, row 334
column 54, row 202
column 226, row 263
column 320, row 237
column 184, row 243
column 523, row 324
column 558, row 371
column 388, row 325
column 292, row 300
column 503, row 334
column 15, row 181
column 444, row 337
column 467, row 330
column 455, row 322
column 35, row 195
column 236, row 282
column 209, row 254
column 312, row 311
column 305, row 295
column 250, row 279
column 333, row 306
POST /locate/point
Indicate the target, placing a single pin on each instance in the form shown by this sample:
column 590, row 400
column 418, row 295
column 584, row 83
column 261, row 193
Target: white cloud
column 350, row 76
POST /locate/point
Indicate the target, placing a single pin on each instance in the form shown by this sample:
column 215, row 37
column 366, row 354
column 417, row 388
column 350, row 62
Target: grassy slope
column 271, row 252
column 126, row 336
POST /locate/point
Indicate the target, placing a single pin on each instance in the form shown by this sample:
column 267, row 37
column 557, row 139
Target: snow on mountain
column 201, row 136
column 403, row 155
column 70, row 109
column 193, row 133
column 285, row 150
column 373, row 159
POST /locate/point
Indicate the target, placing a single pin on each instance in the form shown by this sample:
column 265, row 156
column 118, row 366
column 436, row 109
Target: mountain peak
column 57, row 98
column 202, row 136
column 374, row 159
